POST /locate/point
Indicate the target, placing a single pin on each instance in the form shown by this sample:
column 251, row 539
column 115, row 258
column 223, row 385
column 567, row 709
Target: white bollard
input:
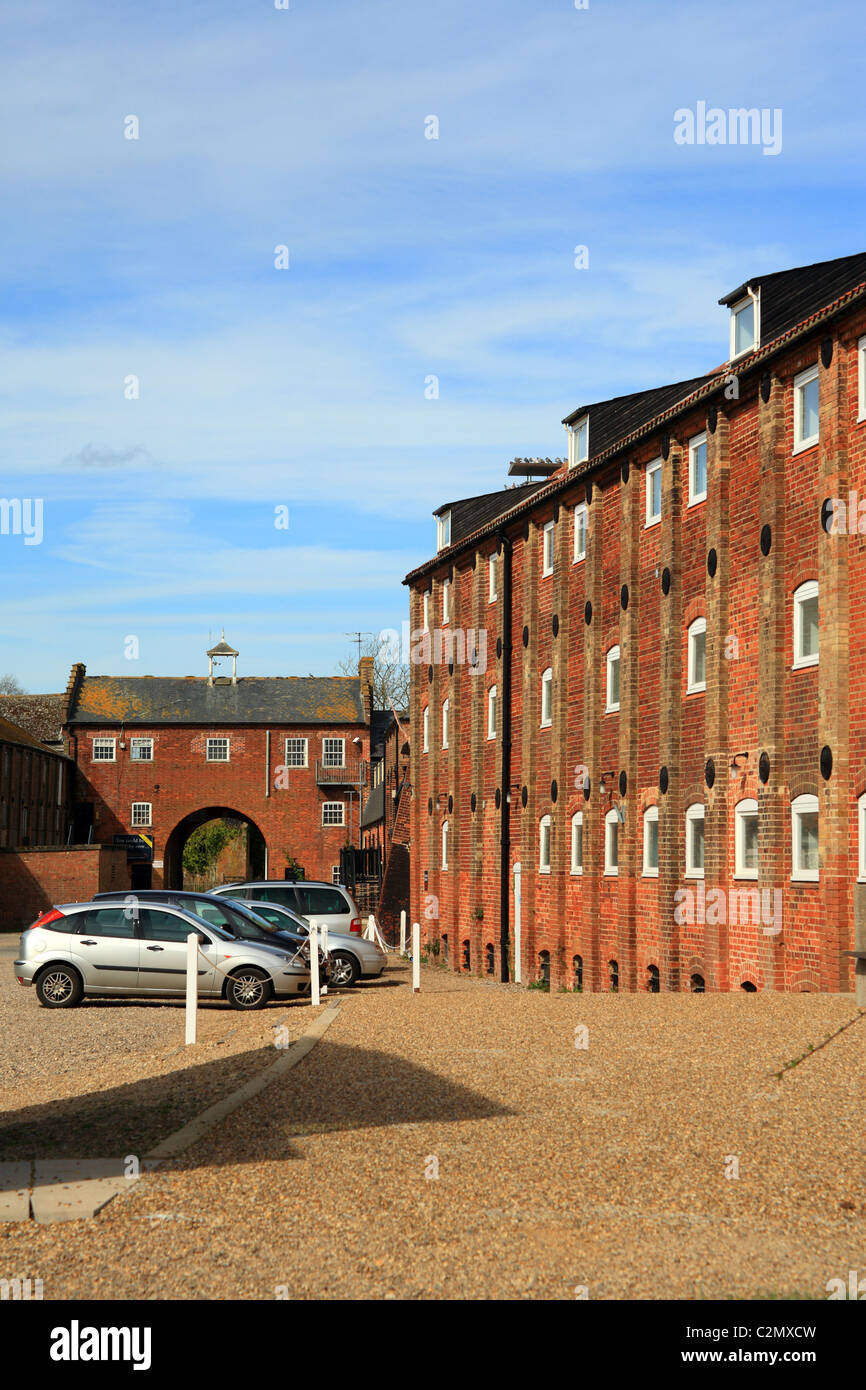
column 315, row 996
column 403, row 932
column 416, row 957
column 191, row 986
column 324, row 931
column 518, row 927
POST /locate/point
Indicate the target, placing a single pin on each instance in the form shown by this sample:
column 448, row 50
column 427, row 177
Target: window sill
column 805, row 445
column 809, row 877
column 696, row 689
column 548, row 725
column 696, row 501
column 547, row 574
column 544, row 871
column 611, row 873
column 805, row 664
column 611, row 709
column 648, row 525
column 577, row 873
column 579, row 559
column 650, row 873
column 745, row 878
column 696, row 874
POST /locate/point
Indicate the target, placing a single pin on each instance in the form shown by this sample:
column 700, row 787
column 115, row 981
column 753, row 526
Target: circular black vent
column 554, row 624
column 473, row 801
column 498, row 798
column 587, row 613
column 587, row 788
column 450, row 804
column 712, row 419
column 766, row 539
column 554, row 790
column 826, row 762
column 625, row 470
column 526, row 637
column 827, row 515
column 712, row 563
column 499, row 646
column 666, row 581
column 524, row 796
column 623, row 597
column 709, row 772
column 623, row 784
column 664, row 780
column 827, row 351
column 766, row 384
column 764, row 768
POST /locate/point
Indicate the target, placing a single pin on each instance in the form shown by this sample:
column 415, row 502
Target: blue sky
column 409, row 257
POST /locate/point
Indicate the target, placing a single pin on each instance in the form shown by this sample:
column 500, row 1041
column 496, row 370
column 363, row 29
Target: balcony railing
column 352, row 774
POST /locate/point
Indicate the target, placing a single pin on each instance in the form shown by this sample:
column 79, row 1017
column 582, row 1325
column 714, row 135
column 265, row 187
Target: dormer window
column 578, row 442
column 744, row 325
column 443, row 531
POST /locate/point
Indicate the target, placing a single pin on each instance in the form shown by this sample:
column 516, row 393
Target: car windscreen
column 280, row 917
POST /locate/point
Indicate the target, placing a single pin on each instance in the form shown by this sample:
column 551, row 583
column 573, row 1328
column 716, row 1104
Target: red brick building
column 157, row 756
column 639, row 679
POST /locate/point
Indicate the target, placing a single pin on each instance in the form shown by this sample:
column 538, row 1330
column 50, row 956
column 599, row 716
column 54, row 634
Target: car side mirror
column 203, row 940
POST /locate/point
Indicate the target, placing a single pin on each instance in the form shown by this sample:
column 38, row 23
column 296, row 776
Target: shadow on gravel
column 334, row 1088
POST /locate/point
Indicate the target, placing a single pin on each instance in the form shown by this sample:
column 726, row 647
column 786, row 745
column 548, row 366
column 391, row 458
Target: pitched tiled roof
column 790, row 296
column 192, row 700
column 11, row 733
column 610, row 420
column 468, row 514
column 41, row 716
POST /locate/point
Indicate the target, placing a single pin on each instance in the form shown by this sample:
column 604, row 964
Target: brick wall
column 31, row 880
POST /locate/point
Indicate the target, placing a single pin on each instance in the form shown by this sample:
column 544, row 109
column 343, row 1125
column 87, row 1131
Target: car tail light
column 53, row 915
column 356, row 926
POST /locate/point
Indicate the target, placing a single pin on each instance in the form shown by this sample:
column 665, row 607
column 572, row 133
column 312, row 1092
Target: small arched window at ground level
column 613, row 975
column 544, row 967
column 697, row 984
column 653, row 982
column 489, row 958
column 577, row 972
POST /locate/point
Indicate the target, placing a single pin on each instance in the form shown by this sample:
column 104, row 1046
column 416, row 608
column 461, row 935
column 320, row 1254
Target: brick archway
column 172, row 871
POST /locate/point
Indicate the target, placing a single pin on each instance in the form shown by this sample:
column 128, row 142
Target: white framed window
column 444, row 863
column 745, row 328
column 547, row 698
column 861, row 838
column 492, row 592
column 806, row 624
column 695, row 841
column 805, row 864
column 547, row 539
column 577, row 843
column 425, row 729
column 296, row 752
column 746, row 838
column 611, row 843
column 335, row 873
column 217, row 750
column 580, row 521
column 491, row 712
column 578, row 442
column 104, row 750
column 651, row 842
column 654, row 492
column 334, row 752
column 861, row 379
column 697, row 658
column 612, row 681
column 446, row 601
column 446, row 709
column 333, row 813
column 443, row 531
column 806, row 428
column 425, row 611
column 141, row 813
column 544, row 845
column 141, row 750
column 697, row 469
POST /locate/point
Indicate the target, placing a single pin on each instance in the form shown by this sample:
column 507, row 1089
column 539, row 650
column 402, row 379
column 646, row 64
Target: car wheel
column 345, row 969
column 59, row 987
column 249, row 989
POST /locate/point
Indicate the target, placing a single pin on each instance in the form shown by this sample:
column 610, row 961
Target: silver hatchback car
column 79, row 949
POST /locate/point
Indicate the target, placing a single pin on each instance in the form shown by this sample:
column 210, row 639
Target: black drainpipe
column 505, row 804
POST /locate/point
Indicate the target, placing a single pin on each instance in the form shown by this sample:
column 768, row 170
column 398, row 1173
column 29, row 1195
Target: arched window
column 746, row 838
column 446, row 600
column 577, row 843
column 544, row 968
column 697, row 663
column 446, row 707
column 806, row 624
column 491, row 712
column 653, row 982
column 425, row 736
column 695, row 841
column 612, row 684
column 611, row 843
column 577, row 972
column 467, row 956
column 613, row 975
column 805, row 865
column 580, row 515
column 444, row 845
column 489, row 958
column 697, row 984
column 544, row 845
column 547, row 698
column 651, row 842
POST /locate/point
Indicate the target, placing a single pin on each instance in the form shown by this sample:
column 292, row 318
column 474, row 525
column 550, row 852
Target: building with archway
column 157, row 756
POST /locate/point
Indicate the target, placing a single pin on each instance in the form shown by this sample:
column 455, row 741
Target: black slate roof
column 612, row 420
column 471, row 512
column 790, row 296
column 192, row 700
column 374, row 810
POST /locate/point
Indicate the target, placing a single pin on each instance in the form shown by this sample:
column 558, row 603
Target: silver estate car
column 79, row 949
column 350, row 957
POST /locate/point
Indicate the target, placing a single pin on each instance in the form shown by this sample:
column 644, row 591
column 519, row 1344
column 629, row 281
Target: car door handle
column 87, row 943
column 156, row 948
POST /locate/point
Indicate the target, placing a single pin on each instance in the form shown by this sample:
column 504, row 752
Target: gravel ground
column 559, row 1168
